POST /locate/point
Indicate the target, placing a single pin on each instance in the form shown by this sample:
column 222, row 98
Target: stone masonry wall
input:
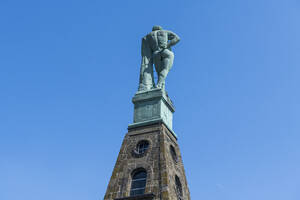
column 157, row 161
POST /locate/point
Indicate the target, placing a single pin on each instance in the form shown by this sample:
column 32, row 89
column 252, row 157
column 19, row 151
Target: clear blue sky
column 68, row 71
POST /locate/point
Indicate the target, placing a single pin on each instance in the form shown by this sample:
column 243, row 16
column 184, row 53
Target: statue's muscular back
column 158, row 40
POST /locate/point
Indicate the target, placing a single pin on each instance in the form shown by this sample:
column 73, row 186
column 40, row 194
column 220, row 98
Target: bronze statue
column 156, row 49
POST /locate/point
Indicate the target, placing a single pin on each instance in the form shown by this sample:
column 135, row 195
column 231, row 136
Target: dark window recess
column 142, row 147
column 138, row 184
column 179, row 192
column 173, row 153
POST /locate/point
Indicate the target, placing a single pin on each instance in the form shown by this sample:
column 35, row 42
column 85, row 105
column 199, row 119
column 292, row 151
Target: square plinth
column 152, row 106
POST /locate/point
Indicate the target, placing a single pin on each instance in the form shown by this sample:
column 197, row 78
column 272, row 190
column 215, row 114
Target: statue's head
column 156, row 28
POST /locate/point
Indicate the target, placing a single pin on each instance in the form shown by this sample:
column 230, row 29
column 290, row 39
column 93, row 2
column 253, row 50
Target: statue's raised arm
column 173, row 39
column 156, row 49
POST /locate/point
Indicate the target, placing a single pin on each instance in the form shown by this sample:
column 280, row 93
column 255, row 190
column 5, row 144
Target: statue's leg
column 166, row 65
column 157, row 63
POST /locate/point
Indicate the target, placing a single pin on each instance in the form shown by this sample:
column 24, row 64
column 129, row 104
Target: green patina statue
column 156, row 49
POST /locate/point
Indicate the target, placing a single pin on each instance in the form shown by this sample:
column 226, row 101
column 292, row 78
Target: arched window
column 138, row 183
column 179, row 192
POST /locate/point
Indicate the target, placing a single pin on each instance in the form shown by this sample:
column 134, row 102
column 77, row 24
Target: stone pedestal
column 151, row 107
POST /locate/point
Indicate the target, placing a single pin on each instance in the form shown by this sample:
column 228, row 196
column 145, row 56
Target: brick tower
column 149, row 165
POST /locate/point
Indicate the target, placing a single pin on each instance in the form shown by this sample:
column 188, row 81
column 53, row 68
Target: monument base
column 152, row 106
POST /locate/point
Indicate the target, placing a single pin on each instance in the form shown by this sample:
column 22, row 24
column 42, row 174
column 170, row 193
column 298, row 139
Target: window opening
column 138, row 184
column 173, row 153
column 142, row 147
column 178, row 188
